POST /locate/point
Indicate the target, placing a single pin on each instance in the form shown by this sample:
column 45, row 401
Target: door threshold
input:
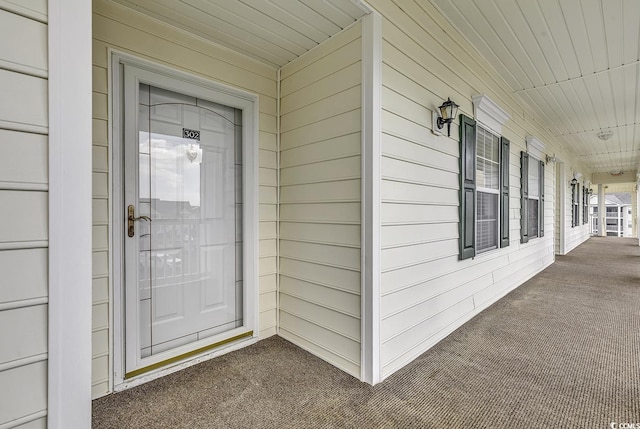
column 186, row 360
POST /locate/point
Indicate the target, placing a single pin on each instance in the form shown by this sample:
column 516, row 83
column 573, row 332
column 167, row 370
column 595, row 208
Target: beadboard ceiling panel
column 271, row 31
column 576, row 62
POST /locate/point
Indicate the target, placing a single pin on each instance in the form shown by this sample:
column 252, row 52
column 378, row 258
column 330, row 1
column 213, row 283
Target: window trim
column 525, row 158
column 492, row 191
column 575, row 204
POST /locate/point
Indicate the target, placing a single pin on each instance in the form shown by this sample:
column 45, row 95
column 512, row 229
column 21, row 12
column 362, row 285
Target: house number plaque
column 191, row 134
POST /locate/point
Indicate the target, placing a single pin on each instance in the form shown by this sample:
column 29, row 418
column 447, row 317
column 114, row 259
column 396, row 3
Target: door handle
column 131, row 219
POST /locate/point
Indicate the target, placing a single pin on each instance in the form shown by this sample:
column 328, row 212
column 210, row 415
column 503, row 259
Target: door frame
column 248, row 103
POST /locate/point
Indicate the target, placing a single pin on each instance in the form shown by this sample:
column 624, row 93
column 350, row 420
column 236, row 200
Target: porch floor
column 563, row 350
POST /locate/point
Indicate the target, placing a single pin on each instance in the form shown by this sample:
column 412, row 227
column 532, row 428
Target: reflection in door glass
column 190, row 254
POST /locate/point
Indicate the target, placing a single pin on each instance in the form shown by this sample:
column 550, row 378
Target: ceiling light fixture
column 605, row 135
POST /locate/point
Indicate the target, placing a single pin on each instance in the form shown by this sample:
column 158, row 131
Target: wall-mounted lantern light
column 445, row 115
column 574, row 181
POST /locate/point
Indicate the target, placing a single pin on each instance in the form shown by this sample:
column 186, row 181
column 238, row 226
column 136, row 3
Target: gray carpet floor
column 561, row 351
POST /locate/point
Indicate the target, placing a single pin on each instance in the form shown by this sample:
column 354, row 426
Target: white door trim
column 70, row 92
column 249, row 106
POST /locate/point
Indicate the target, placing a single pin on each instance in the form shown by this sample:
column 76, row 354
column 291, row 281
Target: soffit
column 575, row 62
column 272, row 31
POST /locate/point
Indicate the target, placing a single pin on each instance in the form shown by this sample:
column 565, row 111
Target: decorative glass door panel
column 183, row 257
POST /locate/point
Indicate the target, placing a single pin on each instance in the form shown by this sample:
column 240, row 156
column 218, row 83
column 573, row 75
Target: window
column 575, row 202
column 487, row 188
column 594, row 219
column 531, row 197
column 484, row 196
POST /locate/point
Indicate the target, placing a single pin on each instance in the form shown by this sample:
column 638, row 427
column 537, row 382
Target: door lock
column 131, row 219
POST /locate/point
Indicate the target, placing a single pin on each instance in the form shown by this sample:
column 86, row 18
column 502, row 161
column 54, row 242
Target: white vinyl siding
column 123, row 29
column 320, row 201
column 426, row 292
column 575, row 236
column 30, row 55
column 569, row 238
column 581, row 232
column 24, row 232
column 33, row 9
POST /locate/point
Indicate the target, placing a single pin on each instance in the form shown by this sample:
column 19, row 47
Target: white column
column 637, row 211
column 69, row 395
column 561, row 206
column 602, row 220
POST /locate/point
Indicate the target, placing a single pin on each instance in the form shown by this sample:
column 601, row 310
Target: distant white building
column 619, row 219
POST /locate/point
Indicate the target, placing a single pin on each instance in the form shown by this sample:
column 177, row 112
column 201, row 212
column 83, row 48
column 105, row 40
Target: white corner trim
column 535, row 147
column 69, row 365
column 278, row 194
column 370, row 367
column 488, row 113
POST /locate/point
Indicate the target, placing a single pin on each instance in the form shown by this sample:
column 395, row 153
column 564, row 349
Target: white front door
column 183, row 196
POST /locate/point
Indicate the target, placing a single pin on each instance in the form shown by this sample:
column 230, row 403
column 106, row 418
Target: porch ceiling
column 271, row 31
column 575, row 62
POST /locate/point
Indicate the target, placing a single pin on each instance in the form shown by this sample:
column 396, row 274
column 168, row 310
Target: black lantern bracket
column 443, row 115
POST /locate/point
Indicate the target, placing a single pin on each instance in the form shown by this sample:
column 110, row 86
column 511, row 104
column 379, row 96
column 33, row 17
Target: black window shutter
column 467, row 187
column 573, row 205
column 585, row 205
column 505, row 148
column 578, row 204
column 541, row 203
column 582, row 201
column 524, row 197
